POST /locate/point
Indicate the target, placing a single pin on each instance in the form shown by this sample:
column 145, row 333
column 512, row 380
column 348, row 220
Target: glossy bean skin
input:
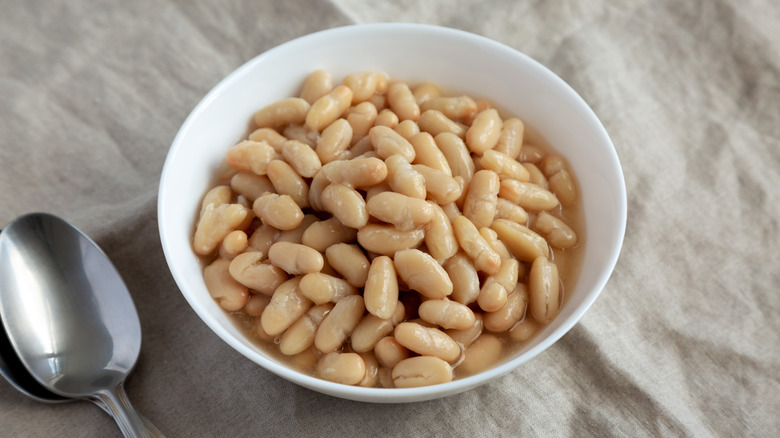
column 387, row 142
column 226, row 291
column 510, row 211
column 389, row 352
column 454, row 107
column 295, row 258
column 440, row 236
column 278, row 211
column 402, row 101
column 356, row 173
column 300, row 335
column 562, row 185
column 422, row 273
column 528, row 195
column 250, row 185
column 484, row 132
column 345, row 204
column 361, row 118
column 387, row 240
column 372, row 328
column 334, row 141
column 381, row 289
column 270, row 136
column 427, row 152
column 281, row 113
column 511, row 313
column 510, row 142
column 216, row 222
column 287, row 181
column 345, row 368
column 248, row 269
column 404, row 212
column 544, row 292
column 405, row 179
column 457, row 154
column 301, row 157
column 484, row 257
column 481, row 354
column 421, row 371
column 447, row 314
column 317, row 84
column 349, row 261
column 467, row 336
column 482, row 198
column 339, row 323
column 526, row 245
column 328, row 108
column 363, row 85
column 323, row 234
column 465, row 278
column 505, row 166
column 321, row 288
column 286, row 306
column 427, row 341
column 557, row 233
column 435, row 122
column 439, row 187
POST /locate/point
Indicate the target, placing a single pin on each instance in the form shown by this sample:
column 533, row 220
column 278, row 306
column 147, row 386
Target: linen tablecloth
column 683, row 341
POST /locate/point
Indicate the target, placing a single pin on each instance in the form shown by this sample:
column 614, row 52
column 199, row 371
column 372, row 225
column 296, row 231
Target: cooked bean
column 250, row 185
column 346, row 368
column 349, row 261
column 282, row 113
column 278, row 211
column 363, row 85
column 492, row 295
column 360, row 118
column 294, row 258
column 296, row 234
column 525, row 244
column 481, row 354
column 484, row 132
column 468, row 335
column 300, row 335
column 387, row 118
column 481, row 198
column 299, row 133
column 422, row 273
column 527, row 195
column 557, row 233
column 286, row 181
column 447, row 314
column 465, row 279
column 491, row 237
column 440, row 236
column 510, row 211
column 425, row 91
column 216, row 222
column 317, row 84
column 457, row 154
column 388, row 142
column 510, row 142
column 318, row 184
column 248, row 269
column 345, row 204
column 536, row 176
column 356, row 173
column 552, row 164
column 427, row 341
column 505, row 166
column 389, row 352
column 402, row 211
column 250, row 155
column 381, row 289
column 339, row 323
column 321, row 288
column 323, row 234
column 484, row 257
column 435, row 122
column 421, row 371
column 334, row 141
column 270, row 136
column 371, row 379
column 562, row 184
column 511, row 313
column 286, row 306
column 530, row 154
column 328, row 108
column 387, row 240
column 544, row 292
column 404, row 179
column 440, row 187
column 523, row 330
column 372, row 328
column 407, row 129
column 227, row 292
column 427, row 152
column 233, row 244
column 457, row 107
column 402, row 102
column 301, row 157
column 256, row 304
column 451, row 210
column 262, row 239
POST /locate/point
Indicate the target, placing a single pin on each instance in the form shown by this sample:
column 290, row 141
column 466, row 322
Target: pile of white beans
column 390, row 236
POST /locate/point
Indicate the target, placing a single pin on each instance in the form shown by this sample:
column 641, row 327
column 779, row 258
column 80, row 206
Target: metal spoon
column 68, row 315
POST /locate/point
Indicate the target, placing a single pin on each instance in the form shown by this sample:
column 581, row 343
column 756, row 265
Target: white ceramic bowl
column 455, row 60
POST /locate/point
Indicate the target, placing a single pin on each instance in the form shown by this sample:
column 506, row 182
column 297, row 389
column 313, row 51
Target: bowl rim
column 393, row 395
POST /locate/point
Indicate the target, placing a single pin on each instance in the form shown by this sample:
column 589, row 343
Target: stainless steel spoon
column 68, row 315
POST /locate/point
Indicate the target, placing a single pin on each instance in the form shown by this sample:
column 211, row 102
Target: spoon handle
column 130, row 422
column 153, row 430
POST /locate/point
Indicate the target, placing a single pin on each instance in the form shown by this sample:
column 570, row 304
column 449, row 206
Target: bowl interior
column 454, row 60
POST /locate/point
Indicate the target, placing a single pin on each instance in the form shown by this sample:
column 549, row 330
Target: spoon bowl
column 68, row 315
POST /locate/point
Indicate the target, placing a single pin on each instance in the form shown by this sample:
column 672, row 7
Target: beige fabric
column 684, row 340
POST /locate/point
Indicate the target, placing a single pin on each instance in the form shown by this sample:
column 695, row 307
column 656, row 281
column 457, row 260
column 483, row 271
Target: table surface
column 683, row 341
